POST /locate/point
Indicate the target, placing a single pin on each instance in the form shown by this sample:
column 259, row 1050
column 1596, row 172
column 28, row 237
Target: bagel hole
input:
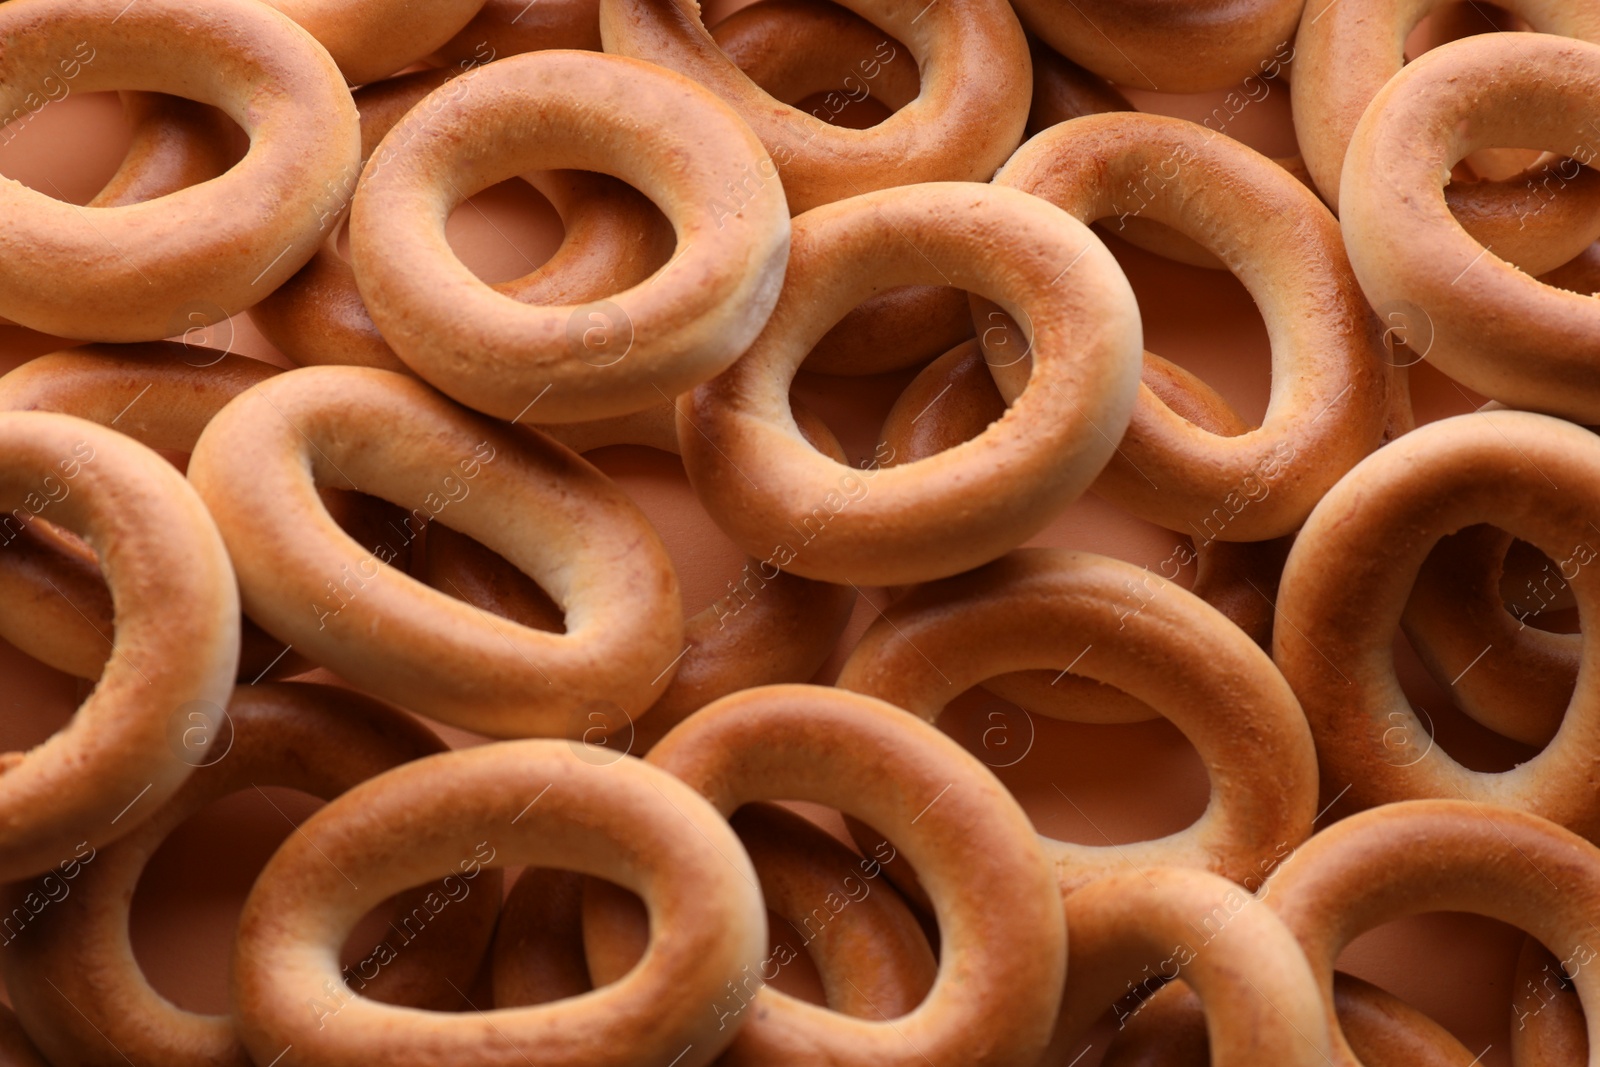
column 785, row 966
column 848, row 88
column 702, row 555
column 706, row 560
column 1406, row 957
column 185, row 909
column 69, row 148
column 503, row 232
column 1204, row 321
column 41, row 700
column 853, row 409
column 1085, row 783
column 376, row 525
column 868, row 864
column 1461, row 737
column 837, row 109
column 1535, row 591
column 483, row 577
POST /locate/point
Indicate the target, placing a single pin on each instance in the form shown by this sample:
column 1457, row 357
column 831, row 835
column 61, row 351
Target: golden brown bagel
column 1169, row 1030
column 1001, row 930
column 655, row 130
column 56, row 606
column 1495, row 330
column 1524, row 677
column 74, row 979
column 1437, row 855
column 1344, row 590
column 209, row 250
column 535, row 803
column 104, row 772
column 1138, row 927
column 1344, row 55
column 1150, row 638
column 614, row 238
column 371, row 39
column 1329, row 400
column 766, row 487
column 1547, row 1022
column 770, row 627
column 967, row 117
column 258, row 465
column 1171, row 47
column 873, row 958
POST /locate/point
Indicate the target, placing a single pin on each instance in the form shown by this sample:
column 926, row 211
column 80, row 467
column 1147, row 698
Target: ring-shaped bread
column 199, row 254
column 175, row 644
column 778, row 497
column 515, row 803
column 669, row 138
column 303, row 579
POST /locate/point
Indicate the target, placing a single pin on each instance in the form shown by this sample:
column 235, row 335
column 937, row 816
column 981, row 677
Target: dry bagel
column 113, row 764
column 81, row 993
column 258, row 465
column 771, row 627
column 535, row 803
column 317, row 317
column 1344, row 590
column 967, row 117
column 1330, row 396
column 1345, row 53
column 1495, row 329
column 209, row 250
column 1437, row 855
column 1001, row 930
column 1136, row 924
column 655, row 130
column 1190, row 47
column 766, row 486
column 1150, row 638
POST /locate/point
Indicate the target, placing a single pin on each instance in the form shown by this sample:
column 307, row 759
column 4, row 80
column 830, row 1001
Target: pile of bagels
column 410, row 509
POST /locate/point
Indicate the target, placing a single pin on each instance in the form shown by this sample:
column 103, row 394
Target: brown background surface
column 1120, row 783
